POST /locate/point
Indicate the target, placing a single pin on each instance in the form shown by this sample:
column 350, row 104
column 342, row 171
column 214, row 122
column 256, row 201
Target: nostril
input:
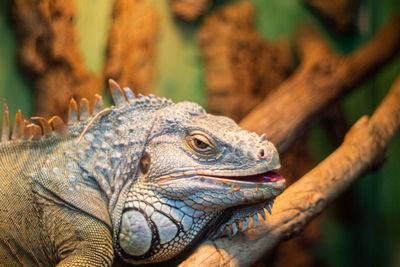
column 261, row 153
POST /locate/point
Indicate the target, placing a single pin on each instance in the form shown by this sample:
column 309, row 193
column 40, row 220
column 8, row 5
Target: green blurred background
column 372, row 236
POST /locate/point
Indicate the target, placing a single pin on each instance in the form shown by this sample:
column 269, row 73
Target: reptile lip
column 266, row 177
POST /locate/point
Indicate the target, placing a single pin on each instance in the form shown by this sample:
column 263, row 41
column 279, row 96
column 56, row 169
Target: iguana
column 145, row 179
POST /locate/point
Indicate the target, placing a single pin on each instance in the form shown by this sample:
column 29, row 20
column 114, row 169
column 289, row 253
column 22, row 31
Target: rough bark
column 321, row 79
column 132, row 45
column 364, row 146
column 240, row 67
column 340, row 15
column 49, row 52
column 189, row 10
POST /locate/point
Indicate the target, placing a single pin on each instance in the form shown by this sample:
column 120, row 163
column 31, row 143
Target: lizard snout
column 261, row 153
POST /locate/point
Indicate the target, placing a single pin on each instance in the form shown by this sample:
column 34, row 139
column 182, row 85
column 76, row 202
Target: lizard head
column 199, row 175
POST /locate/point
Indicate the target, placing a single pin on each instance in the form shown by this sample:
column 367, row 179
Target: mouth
column 243, row 217
column 262, row 178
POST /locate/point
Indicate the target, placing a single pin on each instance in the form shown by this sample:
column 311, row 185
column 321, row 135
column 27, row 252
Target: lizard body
column 145, row 179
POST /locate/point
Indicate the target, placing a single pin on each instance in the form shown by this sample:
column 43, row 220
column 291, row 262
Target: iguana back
column 19, row 233
column 37, row 226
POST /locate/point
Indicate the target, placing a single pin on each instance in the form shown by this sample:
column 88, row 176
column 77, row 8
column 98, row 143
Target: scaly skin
column 146, row 179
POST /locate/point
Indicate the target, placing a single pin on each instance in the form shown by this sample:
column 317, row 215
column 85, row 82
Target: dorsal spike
column 18, row 127
column 98, row 104
column 5, row 133
column 84, row 109
column 46, row 128
column 72, row 111
column 27, row 131
column 116, row 93
column 36, row 131
column 129, row 94
column 57, row 124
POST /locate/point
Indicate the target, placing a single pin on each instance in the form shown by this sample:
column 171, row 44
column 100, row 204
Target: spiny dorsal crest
column 42, row 128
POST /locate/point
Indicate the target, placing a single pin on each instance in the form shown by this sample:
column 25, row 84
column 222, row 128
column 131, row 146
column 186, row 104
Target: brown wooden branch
column 320, row 80
column 189, row 10
column 132, row 45
column 240, row 67
column 363, row 147
column 49, row 52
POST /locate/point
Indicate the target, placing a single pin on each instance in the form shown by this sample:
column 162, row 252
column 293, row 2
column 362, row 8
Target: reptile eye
column 201, row 144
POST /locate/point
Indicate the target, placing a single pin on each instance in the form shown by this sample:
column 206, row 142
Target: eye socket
column 201, row 143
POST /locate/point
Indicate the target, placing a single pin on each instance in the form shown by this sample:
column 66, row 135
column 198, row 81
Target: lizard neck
column 108, row 152
column 102, row 157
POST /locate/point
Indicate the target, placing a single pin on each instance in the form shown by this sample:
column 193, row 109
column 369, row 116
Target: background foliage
column 370, row 235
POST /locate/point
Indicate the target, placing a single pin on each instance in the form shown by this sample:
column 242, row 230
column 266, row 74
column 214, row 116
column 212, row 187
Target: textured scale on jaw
column 200, row 175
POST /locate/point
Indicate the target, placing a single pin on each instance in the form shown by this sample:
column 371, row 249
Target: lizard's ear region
column 144, row 163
